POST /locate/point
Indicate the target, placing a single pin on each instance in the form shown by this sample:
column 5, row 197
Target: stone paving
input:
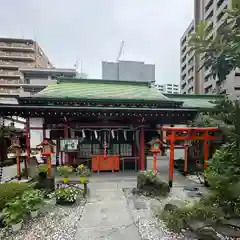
column 106, row 214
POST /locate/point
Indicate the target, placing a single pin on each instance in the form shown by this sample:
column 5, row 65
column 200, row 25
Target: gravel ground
column 148, row 226
column 54, row 223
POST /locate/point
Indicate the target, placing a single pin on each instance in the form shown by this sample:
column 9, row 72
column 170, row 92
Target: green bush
column 150, row 184
column 10, row 190
column 177, row 218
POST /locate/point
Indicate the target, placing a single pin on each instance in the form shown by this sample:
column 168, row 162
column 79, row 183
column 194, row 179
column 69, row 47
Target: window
column 207, row 77
column 208, row 89
column 220, row 2
column 208, row 6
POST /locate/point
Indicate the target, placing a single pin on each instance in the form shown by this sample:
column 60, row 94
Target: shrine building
column 98, row 122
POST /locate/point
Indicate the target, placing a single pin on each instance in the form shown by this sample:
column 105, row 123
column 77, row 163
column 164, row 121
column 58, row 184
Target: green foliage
column 83, row 171
column 222, row 53
column 177, row 218
column 32, row 199
column 42, row 169
column 150, row 184
column 68, row 194
column 14, row 211
column 8, row 191
column 65, row 171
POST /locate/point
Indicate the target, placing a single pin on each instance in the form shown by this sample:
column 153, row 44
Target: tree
column 221, row 54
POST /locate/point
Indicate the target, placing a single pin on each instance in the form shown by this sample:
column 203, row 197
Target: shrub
column 42, row 170
column 10, row 190
column 65, row 171
column 150, row 184
column 32, row 199
column 83, row 171
column 178, row 218
column 68, row 194
column 14, row 211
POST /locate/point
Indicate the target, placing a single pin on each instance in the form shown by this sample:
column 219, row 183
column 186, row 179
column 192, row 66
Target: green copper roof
column 90, row 89
column 195, row 100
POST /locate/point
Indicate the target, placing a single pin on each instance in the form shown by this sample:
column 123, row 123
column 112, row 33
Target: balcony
column 14, row 64
column 10, row 82
column 17, row 47
column 14, row 74
column 6, row 91
column 17, row 56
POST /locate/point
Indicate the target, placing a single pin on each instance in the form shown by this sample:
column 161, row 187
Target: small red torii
column 191, row 133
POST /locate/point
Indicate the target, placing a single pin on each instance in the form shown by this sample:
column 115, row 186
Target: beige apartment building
column 193, row 80
column 15, row 54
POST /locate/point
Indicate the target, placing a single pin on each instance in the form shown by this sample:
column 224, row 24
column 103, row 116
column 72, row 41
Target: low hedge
column 10, row 190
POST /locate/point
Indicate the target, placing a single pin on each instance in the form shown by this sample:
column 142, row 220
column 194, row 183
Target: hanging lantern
column 83, row 134
column 95, row 133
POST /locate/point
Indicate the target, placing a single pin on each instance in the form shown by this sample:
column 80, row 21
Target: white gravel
column 148, row 226
column 54, row 223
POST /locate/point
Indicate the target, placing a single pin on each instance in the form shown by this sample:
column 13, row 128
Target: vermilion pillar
column 142, row 148
column 206, row 150
column 171, row 162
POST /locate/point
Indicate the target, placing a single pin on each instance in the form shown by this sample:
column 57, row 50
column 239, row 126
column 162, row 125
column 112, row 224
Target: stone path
column 106, row 214
column 10, row 171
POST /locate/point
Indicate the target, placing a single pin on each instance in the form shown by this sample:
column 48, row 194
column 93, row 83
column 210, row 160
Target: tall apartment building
column 128, row 71
column 14, row 54
column 168, row 88
column 193, row 80
column 36, row 79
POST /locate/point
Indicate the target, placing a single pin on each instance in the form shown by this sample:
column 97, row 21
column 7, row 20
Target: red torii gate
column 190, row 133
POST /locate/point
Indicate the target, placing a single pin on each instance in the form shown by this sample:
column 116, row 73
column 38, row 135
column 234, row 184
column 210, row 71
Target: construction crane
column 118, row 58
column 120, row 51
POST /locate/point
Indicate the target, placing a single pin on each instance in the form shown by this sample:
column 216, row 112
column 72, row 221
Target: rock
column 194, row 194
column 135, row 191
column 208, row 233
column 139, row 204
column 195, row 226
column 151, row 185
column 173, row 205
column 234, row 222
column 228, row 231
column 191, row 188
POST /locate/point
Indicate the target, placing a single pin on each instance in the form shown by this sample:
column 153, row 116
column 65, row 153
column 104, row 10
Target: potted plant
column 66, row 196
column 83, row 172
column 65, row 171
column 33, row 200
column 14, row 213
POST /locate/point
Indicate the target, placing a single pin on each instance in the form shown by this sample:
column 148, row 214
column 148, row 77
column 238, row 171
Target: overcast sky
column 92, row 31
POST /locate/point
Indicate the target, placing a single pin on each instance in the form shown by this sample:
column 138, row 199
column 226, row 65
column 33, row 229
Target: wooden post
column 171, row 162
column 206, row 150
column 18, row 163
column 155, row 163
column 185, row 159
column 44, row 131
column 142, row 149
column 49, row 165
